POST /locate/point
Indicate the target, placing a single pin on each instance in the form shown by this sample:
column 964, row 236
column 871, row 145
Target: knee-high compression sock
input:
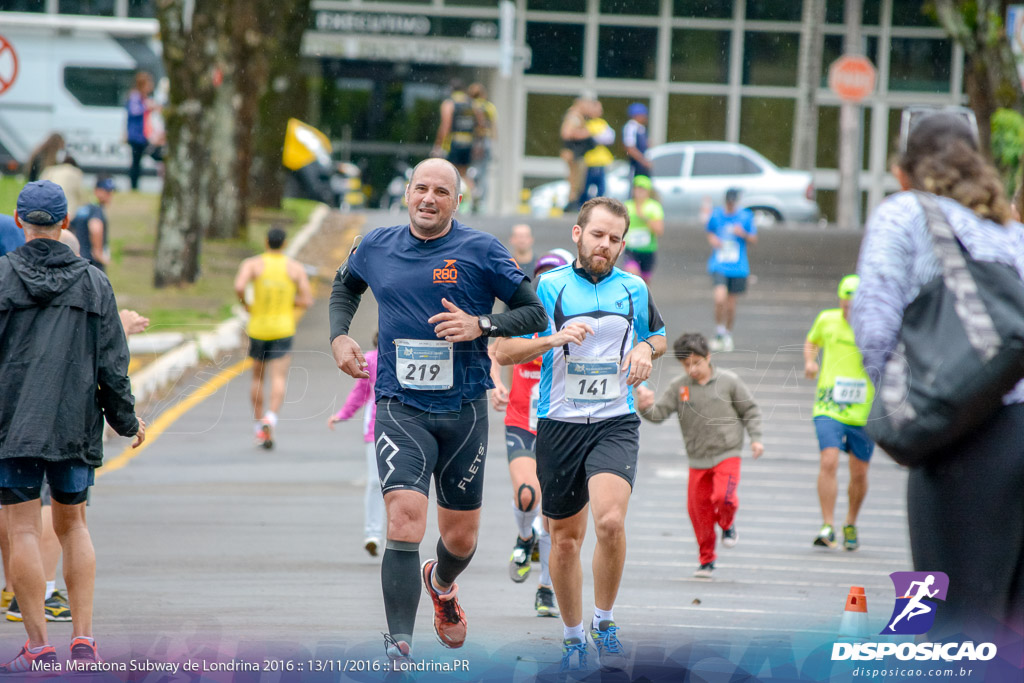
column 449, row 566
column 399, row 578
column 524, row 518
column 544, row 548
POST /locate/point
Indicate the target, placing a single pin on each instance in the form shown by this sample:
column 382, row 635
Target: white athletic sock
column 524, row 520
column 722, row 331
column 433, row 583
column 602, row 615
column 50, row 587
column 256, row 426
column 270, row 417
column 544, row 548
column 574, row 632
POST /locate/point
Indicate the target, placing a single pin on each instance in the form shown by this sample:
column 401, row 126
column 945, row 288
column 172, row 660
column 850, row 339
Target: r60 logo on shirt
column 447, row 274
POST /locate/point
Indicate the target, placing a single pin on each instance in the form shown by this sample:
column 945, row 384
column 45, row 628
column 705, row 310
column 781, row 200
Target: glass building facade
column 707, row 69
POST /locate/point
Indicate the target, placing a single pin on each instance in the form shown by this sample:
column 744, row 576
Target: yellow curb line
column 168, row 417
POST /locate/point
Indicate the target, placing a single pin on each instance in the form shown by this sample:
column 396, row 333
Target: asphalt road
column 209, row 549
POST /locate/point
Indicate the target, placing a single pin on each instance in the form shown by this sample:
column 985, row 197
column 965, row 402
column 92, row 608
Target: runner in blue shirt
column 435, row 281
column 603, row 332
column 730, row 231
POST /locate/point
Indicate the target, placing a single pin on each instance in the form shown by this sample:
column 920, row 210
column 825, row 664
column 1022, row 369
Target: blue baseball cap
column 105, row 183
column 636, row 109
column 42, row 203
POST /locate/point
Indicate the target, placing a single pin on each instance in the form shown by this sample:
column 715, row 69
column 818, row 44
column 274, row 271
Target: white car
column 687, row 174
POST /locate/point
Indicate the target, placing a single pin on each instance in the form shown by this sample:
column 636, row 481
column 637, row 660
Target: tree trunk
column 803, row 154
column 990, row 73
column 284, row 22
column 192, row 179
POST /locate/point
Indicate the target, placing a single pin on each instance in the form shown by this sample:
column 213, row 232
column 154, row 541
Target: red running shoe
column 32, row 662
column 449, row 619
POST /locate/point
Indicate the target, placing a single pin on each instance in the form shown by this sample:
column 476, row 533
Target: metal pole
column 849, row 132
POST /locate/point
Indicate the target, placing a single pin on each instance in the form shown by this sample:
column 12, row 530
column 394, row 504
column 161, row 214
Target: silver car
column 688, row 174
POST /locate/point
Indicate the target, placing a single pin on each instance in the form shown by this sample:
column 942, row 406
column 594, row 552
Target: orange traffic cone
column 855, row 616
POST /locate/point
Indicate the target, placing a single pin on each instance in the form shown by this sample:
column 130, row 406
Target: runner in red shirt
column 520, row 406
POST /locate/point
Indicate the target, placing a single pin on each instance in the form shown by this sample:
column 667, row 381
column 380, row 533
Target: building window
column 544, row 115
column 99, row 87
column 639, row 7
column 142, row 9
column 100, row 8
column 470, row 3
column 920, row 64
column 696, row 117
column 558, row 5
column 22, row 5
column 766, row 125
column 700, row 56
column 910, row 13
column 773, row 10
column 828, row 137
column 557, row 48
column 870, row 12
column 703, row 9
column 626, row 52
column 770, row 58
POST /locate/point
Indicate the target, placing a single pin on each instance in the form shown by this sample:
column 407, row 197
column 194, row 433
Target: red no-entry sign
column 8, row 65
column 852, row 77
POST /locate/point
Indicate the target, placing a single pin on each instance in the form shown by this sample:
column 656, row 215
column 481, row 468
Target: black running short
column 262, row 350
column 460, row 155
column 412, row 445
column 570, row 453
column 734, row 285
column 520, row 443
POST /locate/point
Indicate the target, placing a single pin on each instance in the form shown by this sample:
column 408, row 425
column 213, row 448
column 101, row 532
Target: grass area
column 133, row 221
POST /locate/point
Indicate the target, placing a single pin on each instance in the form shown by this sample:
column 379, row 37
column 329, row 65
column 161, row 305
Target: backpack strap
column 970, row 308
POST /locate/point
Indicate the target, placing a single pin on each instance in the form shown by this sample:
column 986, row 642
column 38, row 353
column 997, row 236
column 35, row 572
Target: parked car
column 685, row 173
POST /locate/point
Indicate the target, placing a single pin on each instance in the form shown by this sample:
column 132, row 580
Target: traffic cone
column 855, row 616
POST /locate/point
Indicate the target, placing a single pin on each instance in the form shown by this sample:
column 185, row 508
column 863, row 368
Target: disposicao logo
column 914, row 614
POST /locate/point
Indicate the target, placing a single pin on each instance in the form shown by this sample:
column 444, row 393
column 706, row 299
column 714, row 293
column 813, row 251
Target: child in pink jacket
column 362, row 394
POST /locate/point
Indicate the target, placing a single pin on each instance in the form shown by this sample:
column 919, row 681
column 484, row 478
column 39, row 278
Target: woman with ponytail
column 965, row 507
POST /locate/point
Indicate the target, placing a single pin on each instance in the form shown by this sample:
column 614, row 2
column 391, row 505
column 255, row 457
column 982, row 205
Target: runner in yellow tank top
column 279, row 286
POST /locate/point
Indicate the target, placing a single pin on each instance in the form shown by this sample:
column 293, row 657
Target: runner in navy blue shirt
column 435, row 281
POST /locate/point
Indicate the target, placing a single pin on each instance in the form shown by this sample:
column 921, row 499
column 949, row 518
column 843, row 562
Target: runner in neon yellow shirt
column 841, row 409
column 646, row 225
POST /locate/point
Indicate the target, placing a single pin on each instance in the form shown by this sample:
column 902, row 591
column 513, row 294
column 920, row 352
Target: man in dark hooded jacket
column 63, row 369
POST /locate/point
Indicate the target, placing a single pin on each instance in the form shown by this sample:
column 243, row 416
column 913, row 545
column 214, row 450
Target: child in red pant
column 714, row 407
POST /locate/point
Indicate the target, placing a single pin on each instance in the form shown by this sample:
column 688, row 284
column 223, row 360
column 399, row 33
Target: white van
column 71, row 75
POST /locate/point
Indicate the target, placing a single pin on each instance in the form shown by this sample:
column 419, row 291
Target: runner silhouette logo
column 914, row 611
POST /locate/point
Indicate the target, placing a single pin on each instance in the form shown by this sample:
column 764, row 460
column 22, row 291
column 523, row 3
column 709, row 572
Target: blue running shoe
column 571, row 646
column 609, row 650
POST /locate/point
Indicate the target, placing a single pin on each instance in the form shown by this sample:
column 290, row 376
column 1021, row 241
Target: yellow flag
column 303, row 144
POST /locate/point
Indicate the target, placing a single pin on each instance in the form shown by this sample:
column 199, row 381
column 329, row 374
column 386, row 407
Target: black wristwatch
column 485, row 325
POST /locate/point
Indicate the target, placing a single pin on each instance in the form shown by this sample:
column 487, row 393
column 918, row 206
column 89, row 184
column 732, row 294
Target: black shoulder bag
column 961, row 348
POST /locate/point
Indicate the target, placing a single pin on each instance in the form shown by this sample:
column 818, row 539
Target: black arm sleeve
column 346, row 292
column 526, row 314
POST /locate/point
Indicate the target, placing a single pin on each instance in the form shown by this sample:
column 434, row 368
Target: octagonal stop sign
column 852, row 77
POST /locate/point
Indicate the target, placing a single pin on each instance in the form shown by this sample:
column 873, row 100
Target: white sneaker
column 727, row 344
column 717, row 344
column 729, row 537
column 704, row 571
